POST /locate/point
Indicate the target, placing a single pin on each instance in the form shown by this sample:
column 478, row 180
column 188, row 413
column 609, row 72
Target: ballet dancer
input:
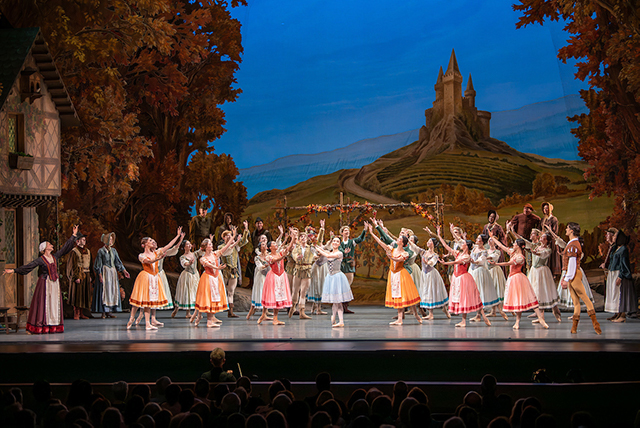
column 276, row 293
column 336, row 289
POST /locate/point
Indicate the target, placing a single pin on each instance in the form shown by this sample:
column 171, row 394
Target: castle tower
column 452, row 82
column 470, row 93
column 439, row 87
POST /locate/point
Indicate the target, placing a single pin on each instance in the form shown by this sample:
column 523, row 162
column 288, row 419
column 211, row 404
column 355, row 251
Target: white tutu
column 336, row 289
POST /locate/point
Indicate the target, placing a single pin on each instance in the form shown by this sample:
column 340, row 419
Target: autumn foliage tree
column 147, row 78
column 605, row 39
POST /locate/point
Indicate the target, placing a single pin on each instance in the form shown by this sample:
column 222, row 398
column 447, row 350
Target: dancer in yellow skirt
column 211, row 296
column 148, row 293
column 401, row 290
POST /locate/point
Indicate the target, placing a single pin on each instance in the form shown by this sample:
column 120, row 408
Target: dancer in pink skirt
column 276, row 293
column 464, row 296
column 519, row 295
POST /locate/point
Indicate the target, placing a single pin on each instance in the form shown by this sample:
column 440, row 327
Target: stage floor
column 366, row 330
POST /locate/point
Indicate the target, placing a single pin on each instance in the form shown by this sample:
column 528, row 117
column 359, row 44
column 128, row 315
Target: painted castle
column 449, row 100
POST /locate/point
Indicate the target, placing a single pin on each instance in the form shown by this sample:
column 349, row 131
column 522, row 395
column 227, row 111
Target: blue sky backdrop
column 320, row 75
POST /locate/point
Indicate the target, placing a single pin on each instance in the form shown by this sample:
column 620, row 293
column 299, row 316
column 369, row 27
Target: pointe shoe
column 174, row 312
column 447, row 313
column 428, row 318
column 558, row 317
column 544, row 324
column 333, row 319
column 304, row 316
column 620, row 319
column 337, row 325
column 492, row 315
column 217, row 321
column 277, row 322
column 487, row 322
column 461, row 324
column 532, row 316
column 516, row 326
column 212, row 325
column 151, row 327
column 535, row 321
column 397, row 322
column 506, row 318
column 475, row 319
column 197, row 322
column 129, row 324
column 262, row 318
column 291, row 311
column 157, row 323
column 192, row 318
column 138, row 321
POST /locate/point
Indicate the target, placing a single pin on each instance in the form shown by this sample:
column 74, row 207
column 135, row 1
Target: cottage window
column 10, row 237
column 15, row 131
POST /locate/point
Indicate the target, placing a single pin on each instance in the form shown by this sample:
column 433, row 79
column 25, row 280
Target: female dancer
column 276, row 293
column 148, row 293
column 482, row 277
column 259, row 274
column 211, row 295
column 624, row 283
column 564, row 296
column 187, row 282
column 433, row 293
column 319, row 271
column 519, row 295
column 106, row 291
column 401, row 291
column 540, row 275
column 464, row 295
column 45, row 312
column 336, row 285
column 497, row 275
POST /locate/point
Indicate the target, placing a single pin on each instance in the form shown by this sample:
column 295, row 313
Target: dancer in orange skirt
column 211, row 296
column 401, row 290
column 148, row 293
column 464, row 296
column 519, row 295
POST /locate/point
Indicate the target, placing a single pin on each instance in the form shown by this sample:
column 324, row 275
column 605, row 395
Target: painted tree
column 605, row 39
column 148, row 78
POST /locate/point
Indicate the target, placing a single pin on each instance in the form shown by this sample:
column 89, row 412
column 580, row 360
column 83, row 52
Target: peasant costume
column 433, row 293
column 106, row 293
column 45, row 312
column 401, row 290
column 336, row 285
column 211, row 296
column 187, row 286
column 276, row 293
column 163, row 277
column 464, row 296
column 147, row 290
column 628, row 302
column 259, row 275
column 497, row 273
column 541, row 278
column 484, row 280
column 519, row 295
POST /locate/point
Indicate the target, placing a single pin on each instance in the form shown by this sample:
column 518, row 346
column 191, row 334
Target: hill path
column 349, row 184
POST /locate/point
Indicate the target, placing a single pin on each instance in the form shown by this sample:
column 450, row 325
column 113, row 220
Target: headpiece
column 528, row 205
column 42, row 246
column 106, row 237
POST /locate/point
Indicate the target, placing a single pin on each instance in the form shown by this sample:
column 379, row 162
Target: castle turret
column 439, row 87
column 452, row 81
column 470, row 93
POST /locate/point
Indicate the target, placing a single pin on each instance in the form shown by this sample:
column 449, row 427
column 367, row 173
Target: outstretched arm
column 443, row 242
column 179, row 235
column 499, row 244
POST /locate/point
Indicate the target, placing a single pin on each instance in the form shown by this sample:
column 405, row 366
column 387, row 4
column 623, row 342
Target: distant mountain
column 540, row 128
column 287, row 171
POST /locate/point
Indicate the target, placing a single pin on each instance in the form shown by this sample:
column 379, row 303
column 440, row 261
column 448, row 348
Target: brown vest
column 573, row 249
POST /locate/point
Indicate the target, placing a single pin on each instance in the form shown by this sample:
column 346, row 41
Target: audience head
column 151, row 409
column 41, row 390
column 275, row 387
column 172, row 393
column 230, row 404
column 359, row 407
column 119, row 390
column 297, row 415
column 245, row 383
column 499, row 422
column 146, row 421
column 112, row 418
column 372, row 394
column 356, row 395
column 323, row 397
column 320, row 419
column 454, row 422
column 144, row 391
column 529, row 416
column 281, row 402
column 382, row 407
column 473, row 400
column 256, row 421
column 202, row 388
column 488, row 385
column 323, row 381
column 419, row 395
column 333, row 409
column 186, row 400
column 419, row 416
column 582, row 420
column 546, row 421
column 162, row 418
column 275, row 419
column 192, row 420
column 405, row 408
column 236, row 420
column 217, row 357
column 219, row 391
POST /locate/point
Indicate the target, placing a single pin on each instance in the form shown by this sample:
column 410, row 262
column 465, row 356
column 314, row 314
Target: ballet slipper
column 277, row 322
column 532, row 316
column 398, row 322
column 446, row 312
column 491, row 314
column 486, row 321
column 212, row 325
column 197, row 322
column 130, row 323
column 461, row 324
column 558, row 317
column 157, row 323
column 188, row 316
column 304, row 316
column 417, row 315
column 138, row 320
column 535, row 321
column 262, row 318
column 476, row 318
column 174, row 312
column 151, row 327
column 292, row 310
column 333, row 319
column 428, row 317
column 337, row 325
column 516, row 326
column 504, row 315
column 543, row 323
column 192, row 318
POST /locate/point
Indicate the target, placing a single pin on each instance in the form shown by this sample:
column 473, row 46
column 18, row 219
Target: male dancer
column 573, row 278
column 231, row 260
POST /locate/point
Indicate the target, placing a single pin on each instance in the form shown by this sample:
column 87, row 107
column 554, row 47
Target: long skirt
column 258, row 286
column 147, row 292
column 519, row 295
column 318, row 275
column 464, row 296
column 401, row 291
column 564, row 297
column 433, row 293
column 45, row 312
column 106, row 296
column 612, row 294
column 628, row 298
column 211, row 296
column 336, row 289
column 487, row 290
column 186, row 290
column 416, row 275
column 544, row 287
column 167, row 290
column 499, row 281
column 276, row 293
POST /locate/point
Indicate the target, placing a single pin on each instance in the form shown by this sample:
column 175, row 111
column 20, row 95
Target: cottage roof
column 15, row 46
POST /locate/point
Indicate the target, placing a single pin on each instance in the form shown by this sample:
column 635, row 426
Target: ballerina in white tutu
column 336, row 289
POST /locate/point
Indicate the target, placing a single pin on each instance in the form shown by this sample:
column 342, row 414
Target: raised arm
column 378, row 240
column 231, row 241
column 499, row 244
column 416, row 249
column 166, row 248
column 443, row 242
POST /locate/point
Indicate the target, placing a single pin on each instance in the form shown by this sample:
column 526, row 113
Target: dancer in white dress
column 480, row 272
column 187, row 282
column 319, row 272
column 494, row 255
column 336, row 285
column 259, row 274
column 433, row 293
